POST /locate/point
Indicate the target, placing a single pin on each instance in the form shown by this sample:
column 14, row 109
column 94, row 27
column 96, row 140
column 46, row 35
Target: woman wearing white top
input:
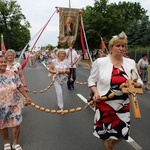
column 60, row 67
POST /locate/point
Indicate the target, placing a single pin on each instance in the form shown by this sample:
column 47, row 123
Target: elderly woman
column 10, row 106
column 60, row 67
column 112, row 116
column 16, row 67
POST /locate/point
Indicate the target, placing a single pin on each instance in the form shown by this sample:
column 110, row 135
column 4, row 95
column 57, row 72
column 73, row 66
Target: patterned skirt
column 10, row 116
column 112, row 119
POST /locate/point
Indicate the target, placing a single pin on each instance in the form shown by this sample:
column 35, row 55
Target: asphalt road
column 46, row 131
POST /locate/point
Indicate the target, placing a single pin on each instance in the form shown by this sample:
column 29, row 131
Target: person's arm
column 138, row 67
column 22, row 78
column 92, row 80
column 76, row 59
column 24, row 93
column 51, row 68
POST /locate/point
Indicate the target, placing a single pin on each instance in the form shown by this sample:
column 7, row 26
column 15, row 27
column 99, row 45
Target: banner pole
column 87, row 48
column 69, row 3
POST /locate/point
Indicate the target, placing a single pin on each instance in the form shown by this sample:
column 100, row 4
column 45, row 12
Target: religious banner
column 68, row 25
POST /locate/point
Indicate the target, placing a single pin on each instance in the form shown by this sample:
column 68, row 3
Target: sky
column 37, row 13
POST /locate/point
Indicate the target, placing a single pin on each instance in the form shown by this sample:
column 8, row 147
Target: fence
column 137, row 54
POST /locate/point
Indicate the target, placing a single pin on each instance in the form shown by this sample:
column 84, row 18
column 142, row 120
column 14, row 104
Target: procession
column 61, row 97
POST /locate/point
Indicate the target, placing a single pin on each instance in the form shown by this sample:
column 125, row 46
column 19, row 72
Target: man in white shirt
column 72, row 58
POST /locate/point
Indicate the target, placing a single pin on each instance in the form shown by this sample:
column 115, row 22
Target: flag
column 82, row 40
column 40, row 33
column 103, row 46
column 3, row 48
column 24, row 63
column 68, row 25
column 83, row 45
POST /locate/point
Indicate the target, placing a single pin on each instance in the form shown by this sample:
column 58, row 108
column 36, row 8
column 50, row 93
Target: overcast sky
column 38, row 12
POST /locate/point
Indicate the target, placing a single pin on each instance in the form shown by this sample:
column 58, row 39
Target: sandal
column 17, row 147
column 7, row 146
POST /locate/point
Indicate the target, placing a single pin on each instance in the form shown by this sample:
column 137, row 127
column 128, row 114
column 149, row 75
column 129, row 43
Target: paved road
column 46, row 131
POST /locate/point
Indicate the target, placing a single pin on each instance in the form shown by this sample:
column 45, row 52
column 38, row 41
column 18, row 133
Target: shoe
column 17, row 147
column 7, row 146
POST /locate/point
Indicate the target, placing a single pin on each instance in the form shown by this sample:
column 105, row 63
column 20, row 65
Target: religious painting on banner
column 68, row 25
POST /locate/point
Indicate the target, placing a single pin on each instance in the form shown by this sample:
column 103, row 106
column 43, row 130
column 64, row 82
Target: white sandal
column 17, row 147
column 7, row 146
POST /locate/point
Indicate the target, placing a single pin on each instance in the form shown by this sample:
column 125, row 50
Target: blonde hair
column 60, row 50
column 11, row 51
column 121, row 38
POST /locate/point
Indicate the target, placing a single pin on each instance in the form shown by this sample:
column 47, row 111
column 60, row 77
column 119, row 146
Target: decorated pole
column 69, row 3
column 26, row 60
column 3, row 48
column 86, row 40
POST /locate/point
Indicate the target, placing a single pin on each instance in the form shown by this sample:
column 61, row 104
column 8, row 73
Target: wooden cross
column 132, row 91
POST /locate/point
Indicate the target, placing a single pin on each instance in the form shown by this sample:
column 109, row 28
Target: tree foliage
column 139, row 32
column 106, row 19
column 13, row 25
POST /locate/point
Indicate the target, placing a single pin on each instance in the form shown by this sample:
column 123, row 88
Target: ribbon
column 42, row 30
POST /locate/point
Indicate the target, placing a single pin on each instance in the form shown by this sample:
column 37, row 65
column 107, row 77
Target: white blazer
column 102, row 70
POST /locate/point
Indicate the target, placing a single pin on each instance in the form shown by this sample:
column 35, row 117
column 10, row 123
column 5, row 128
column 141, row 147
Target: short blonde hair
column 60, row 50
column 121, row 38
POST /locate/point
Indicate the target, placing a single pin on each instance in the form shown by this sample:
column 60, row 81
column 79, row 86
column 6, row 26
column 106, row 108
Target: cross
column 132, row 91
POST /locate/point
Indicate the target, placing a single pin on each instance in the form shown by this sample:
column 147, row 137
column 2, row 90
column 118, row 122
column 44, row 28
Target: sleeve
column 18, row 65
column 92, row 80
column 139, row 62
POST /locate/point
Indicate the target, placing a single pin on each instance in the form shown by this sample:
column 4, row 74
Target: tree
column 105, row 20
column 139, row 32
column 13, row 25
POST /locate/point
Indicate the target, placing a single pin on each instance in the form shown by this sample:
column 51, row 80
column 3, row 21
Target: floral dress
column 112, row 117
column 10, row 107
column 14, row 67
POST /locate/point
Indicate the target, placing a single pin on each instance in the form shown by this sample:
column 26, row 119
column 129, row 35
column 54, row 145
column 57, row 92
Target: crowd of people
column 108, row 72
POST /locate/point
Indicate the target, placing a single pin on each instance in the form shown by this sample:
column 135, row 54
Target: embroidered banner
column 68, row 25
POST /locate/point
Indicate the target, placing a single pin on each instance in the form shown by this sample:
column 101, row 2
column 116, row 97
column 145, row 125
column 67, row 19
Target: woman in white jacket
column 112, row 116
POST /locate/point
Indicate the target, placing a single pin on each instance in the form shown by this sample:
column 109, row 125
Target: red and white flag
column 3, row 48
column 103, row 46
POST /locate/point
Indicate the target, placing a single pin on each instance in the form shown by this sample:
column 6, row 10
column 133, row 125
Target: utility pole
column 69, row 3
